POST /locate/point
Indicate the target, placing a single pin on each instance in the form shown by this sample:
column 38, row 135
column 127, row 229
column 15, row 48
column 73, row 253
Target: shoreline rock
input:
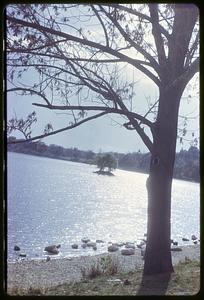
column 22, row 255
column 16, row 248
column 193, row 237
column 130, row 245
column 91, row 244
column 185, row 239
column 128, row 251
column 85, row 240
column 176, row 249
column 113, row 248
column 99, row 241
column 75, row 246
column 53, row 249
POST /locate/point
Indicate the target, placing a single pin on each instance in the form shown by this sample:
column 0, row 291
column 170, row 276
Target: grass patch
column 186, row 278
column 104, row 266
column 106, row 281
column 16, row 291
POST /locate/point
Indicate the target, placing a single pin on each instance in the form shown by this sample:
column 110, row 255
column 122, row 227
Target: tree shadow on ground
column 154, row 285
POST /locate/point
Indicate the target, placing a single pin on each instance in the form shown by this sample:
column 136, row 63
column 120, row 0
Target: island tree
column 81, row 54
column 104, row 161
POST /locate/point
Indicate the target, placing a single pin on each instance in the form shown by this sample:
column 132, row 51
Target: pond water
column 52, row 201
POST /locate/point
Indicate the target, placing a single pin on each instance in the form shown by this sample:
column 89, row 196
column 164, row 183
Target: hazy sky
column 103, row 134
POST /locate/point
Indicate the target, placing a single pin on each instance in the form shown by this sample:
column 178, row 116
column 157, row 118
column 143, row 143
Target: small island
column 104, row 173
column 106, row 163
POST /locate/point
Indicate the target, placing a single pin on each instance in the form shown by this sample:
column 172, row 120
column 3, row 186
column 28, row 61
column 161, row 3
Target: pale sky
column 103, row 134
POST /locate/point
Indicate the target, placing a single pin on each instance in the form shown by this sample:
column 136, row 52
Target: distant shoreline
column 87, row 163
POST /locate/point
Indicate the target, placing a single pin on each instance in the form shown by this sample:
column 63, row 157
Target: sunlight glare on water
column 51, row 201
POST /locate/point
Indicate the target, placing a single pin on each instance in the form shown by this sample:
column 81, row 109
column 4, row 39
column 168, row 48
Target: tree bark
column 158, row 249
column 158, row 255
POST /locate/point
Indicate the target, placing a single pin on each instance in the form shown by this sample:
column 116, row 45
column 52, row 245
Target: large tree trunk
column 158, row 255
column 158, row 248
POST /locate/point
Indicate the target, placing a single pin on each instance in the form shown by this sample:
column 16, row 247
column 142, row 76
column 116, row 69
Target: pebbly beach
column 43, row 273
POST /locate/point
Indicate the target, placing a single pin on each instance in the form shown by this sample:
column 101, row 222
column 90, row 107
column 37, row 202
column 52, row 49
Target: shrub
column 103, row 266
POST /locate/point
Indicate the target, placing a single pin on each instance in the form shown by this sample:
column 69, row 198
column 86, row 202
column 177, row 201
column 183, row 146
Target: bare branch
column 140, row 15
column 31, row 91
column 95, row 108
column 49, row 44
column 59, row 130
column 187, row 75
column 191, row 51
column 116, row 60
column 102, row 24
column 156, row 31
column 135, row 45
column 141, row 133
column 150, row 109
column 88, row 43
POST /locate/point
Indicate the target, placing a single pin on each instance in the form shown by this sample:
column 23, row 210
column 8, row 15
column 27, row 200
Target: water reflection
column 52, row 201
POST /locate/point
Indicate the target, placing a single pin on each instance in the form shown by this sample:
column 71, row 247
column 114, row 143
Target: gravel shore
column 42, row 274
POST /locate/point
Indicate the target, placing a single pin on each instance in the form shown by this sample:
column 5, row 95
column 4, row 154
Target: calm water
column 51, row 201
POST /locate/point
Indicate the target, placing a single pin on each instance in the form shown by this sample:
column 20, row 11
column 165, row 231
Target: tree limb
column 102, row 24
column 187, row 75
column 31, row 91
column 59, row 130
column 95, row 108
column 192, row 50
column 153, row 8
column 150, row 109
column 116, row 60
column 49, row 44
column 141, row 133
column 88, row 43
column 132, row 43
column 140, row 15
column 181, row 34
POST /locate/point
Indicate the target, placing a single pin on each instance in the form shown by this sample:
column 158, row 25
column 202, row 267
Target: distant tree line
column 186, row 163
column 53, row 151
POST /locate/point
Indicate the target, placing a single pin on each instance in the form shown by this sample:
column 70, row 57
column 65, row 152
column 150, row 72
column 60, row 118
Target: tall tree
column 81, row 71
